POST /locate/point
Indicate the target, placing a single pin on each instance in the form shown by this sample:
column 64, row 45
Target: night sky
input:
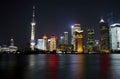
column 52, row 17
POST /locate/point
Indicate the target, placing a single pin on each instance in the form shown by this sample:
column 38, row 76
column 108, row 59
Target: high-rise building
column 115, row 36
column 40, row 44
column 45, row 42
column 33, row 23
column 90, row 39
column 77, row 38
column 75, row 27
column 104, row 36
column 65, row 37
column 61, row 40
column 48, row 45
column 79, row 41
column 52, row 43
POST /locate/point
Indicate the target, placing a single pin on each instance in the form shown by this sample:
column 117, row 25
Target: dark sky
column 52, row 17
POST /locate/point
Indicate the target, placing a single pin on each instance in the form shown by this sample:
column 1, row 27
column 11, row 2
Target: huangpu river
column 60, row 66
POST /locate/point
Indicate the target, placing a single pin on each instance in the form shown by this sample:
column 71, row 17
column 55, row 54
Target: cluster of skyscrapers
column 109, row 39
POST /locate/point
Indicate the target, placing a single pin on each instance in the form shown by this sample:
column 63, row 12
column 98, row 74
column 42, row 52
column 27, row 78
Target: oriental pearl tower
column 33, row 23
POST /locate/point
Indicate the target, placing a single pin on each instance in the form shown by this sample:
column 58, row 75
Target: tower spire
column 33, row 16
column 33, row 23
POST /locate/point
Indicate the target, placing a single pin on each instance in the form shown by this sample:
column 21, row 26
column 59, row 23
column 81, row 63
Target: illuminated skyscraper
column 65, row 37
column 77, row 38
column 79, row 41
column 104, row 36
column 74, row 28
column 52, row 43
column 115, row 36
column 48, row 45
column 33, row 23
column 45, row 42
column 90, row 39
column 40, row 44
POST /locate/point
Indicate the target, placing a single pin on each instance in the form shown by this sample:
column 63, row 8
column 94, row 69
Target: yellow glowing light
column 79, row 43
column 44, row 37
column 80, row 46
column 105, row 51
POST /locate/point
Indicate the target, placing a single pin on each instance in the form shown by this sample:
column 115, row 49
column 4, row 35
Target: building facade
column 40, row 44
column 74, row 28
column 79, row 41
column 52, row 43
column 11, row 48
column 90, row 39
column 104, row 37
column 65, row 48
column 65, row 37
column 61, row 41
column 77, row 38
column 45, row 40
column 115, row 36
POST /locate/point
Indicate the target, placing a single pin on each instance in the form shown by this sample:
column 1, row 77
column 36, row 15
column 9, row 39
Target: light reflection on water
column 115, row 67
column 60, row 66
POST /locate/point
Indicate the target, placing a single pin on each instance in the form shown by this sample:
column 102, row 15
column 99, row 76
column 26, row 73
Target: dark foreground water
column 54, row 66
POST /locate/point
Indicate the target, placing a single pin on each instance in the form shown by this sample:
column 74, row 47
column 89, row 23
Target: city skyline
column 52, row 17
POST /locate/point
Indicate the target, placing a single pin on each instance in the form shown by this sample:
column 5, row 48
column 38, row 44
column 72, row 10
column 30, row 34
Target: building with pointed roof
column 104, row 37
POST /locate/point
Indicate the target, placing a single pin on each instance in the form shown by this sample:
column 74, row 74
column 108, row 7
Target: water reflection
column 77, row 66
column 115, row 67
column 92, row 67
column 105, row 67
column 60, row 66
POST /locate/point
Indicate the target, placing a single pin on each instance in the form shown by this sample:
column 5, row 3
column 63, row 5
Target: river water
column 60, row 66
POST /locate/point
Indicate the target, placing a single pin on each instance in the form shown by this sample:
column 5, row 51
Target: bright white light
column 65, row 32
column 80, row 31
column 72, row 26
column 33, row 24
column 102, row 20
column 115, row 24
column 61, row 37
column 32, row 44
column 48, row 40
